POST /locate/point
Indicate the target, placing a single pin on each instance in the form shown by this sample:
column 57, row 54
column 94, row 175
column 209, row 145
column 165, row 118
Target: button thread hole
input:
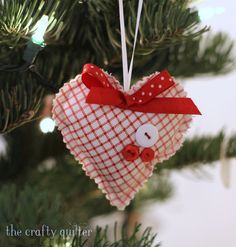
column 147, row 135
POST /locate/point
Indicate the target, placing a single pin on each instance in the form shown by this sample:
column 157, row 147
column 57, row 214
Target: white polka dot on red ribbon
column 152, row 88
column 97, row 73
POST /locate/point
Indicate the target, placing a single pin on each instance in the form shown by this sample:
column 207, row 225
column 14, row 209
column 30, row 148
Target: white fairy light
column 47, row 125
column 41, row 27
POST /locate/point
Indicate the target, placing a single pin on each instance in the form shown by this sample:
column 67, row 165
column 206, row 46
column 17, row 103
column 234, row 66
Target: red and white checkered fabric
column 97, row 134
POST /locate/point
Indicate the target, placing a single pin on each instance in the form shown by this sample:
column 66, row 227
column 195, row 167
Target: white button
column 146, row 135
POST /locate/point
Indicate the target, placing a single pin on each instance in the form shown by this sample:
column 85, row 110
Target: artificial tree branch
column 169, row 39
column 198, row 151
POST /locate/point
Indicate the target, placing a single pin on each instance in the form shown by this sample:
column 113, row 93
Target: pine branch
column 208, row 55
column 163, row 24
column 19, row 17
column 101, row 239
column 169, row 39
column 211, row 54
column 198, row 151
column 25, row 211
column 231, row 147
column 20, row 99
column 183, row 60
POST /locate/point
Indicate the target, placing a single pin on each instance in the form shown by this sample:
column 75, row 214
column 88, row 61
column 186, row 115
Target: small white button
column 146, row 135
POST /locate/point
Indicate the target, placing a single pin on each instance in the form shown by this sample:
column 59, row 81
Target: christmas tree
column 41, row 183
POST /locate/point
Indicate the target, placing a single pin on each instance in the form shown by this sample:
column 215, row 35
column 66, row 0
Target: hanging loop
column 127, row 71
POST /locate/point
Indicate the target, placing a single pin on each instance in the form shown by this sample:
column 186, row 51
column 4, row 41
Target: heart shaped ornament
column 118, row 136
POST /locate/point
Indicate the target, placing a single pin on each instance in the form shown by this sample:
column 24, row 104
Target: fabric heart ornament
column 118, row 136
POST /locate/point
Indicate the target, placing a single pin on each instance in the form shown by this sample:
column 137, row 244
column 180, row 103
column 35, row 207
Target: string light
column 47, row 125
column 36, row 44
column 41, row 27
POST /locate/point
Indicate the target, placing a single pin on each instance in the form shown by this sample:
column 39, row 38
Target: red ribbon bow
column 144, row 100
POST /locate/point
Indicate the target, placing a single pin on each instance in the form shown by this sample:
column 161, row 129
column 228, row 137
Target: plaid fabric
column 96, row 136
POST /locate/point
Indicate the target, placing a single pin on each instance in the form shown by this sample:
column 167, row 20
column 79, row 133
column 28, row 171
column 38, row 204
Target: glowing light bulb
column 41, row 28
column 47, row 125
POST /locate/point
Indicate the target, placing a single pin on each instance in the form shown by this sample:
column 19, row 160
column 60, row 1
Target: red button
column 147, row 155
column 130, row 152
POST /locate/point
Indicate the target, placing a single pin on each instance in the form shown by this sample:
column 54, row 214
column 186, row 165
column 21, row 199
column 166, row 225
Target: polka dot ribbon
column 144, row 100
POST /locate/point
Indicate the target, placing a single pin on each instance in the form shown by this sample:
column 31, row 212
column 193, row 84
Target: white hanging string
column 127, row 72
column 123, row 46
column 140, row 6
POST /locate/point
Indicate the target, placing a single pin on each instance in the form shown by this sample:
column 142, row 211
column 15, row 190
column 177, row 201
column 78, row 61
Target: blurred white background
column 202, row 212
